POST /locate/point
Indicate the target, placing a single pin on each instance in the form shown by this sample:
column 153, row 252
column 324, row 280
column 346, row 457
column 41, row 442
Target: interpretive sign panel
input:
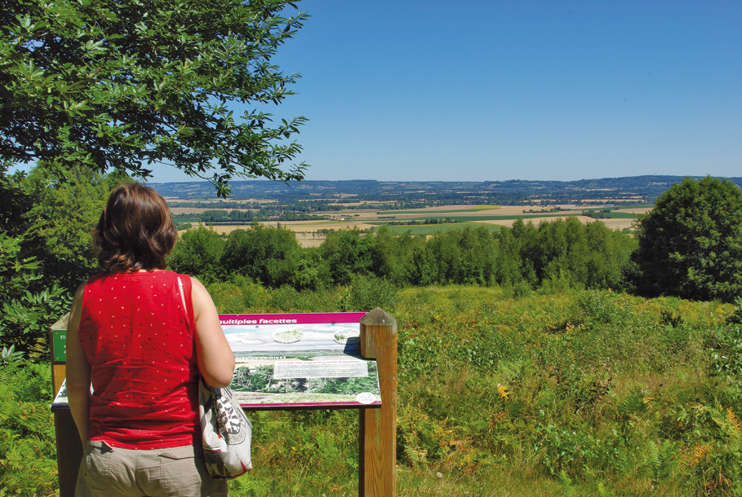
column 300, row 360
column 292, row 361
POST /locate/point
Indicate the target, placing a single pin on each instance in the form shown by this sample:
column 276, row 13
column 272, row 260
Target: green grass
column 572, row 393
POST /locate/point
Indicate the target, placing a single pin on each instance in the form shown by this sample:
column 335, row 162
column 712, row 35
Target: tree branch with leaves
column 127, row 84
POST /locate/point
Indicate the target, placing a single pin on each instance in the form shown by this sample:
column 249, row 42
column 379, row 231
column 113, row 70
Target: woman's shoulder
column 166, row 273
column 93, row 280
column 105, row 278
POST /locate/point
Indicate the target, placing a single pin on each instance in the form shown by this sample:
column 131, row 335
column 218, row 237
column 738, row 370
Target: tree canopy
column 690, row 244
column 125, row 84
column 46, row 219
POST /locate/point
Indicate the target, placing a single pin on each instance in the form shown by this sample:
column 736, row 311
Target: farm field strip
column 309, row 232
column 515, row 217
column 465, row 219
column 431, row 229
column 433, row 211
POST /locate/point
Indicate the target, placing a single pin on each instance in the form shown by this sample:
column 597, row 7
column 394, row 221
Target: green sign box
column 60, row 345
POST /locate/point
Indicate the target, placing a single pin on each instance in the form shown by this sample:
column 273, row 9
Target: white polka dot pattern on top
column 144, row 375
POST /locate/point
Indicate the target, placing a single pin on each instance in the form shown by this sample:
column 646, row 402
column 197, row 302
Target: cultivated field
column 309, row 233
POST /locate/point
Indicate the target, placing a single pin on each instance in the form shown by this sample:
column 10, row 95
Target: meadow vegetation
column 580, row 392
column 575, row 392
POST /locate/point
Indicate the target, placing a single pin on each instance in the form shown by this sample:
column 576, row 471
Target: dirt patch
column 309, row 226
column 640, row 210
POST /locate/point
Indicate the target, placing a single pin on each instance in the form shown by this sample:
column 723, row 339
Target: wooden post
column 378, row 427
column 69, row 452
column 69, row 448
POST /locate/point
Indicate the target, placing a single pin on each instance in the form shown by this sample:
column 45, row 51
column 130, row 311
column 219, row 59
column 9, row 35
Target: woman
column 143, row 336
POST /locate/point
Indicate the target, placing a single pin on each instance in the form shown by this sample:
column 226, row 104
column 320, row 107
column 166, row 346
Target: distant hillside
column 639, row 189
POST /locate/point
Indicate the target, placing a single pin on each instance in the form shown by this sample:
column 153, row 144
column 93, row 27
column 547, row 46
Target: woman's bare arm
column 78, row 371
column 214, row 356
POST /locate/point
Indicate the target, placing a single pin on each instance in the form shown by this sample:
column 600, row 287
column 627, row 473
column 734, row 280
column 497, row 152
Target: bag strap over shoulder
column 185, row 289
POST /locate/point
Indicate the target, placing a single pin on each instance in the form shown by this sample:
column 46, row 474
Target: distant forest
column 414, row 194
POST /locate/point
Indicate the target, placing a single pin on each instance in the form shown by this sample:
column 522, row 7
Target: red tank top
column 139, row 342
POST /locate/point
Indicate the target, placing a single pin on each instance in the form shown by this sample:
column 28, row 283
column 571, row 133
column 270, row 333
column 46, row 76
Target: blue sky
column 495, row 90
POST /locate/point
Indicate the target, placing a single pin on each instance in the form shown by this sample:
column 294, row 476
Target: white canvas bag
column 226, row 431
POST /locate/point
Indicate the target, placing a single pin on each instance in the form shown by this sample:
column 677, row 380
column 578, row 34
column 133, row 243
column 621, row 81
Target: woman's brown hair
column 135, row 230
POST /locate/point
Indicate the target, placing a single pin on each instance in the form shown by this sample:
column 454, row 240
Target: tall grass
column 574, row 393
column 501, row 393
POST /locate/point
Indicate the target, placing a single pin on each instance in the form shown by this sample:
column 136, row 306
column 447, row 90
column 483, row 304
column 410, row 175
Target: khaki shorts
column 173, row 472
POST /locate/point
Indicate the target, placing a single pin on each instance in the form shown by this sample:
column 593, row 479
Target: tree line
column 689, row 245
column 245, row 216
column 560, row 252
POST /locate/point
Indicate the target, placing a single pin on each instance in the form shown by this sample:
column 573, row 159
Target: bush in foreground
column 28, row 464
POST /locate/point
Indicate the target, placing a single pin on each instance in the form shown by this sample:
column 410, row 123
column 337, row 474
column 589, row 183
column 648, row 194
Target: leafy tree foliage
column 27, row 307
column 266, row 254
column 462, row 256
column 198, row 253
column 125, row 84
column 391, row 256
column 45, row 246
column 19, row 273
column 347, row 253
column 690, row 244
column 566, row 253
column 67, row 205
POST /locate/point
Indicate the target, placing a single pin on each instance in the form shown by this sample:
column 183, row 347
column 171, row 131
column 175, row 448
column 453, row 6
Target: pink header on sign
column 313, row 318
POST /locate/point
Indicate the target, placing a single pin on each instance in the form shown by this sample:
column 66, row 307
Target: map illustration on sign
column 300, row 360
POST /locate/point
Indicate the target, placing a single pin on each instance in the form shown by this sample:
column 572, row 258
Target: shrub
column 28, row 464
column 369, row 292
